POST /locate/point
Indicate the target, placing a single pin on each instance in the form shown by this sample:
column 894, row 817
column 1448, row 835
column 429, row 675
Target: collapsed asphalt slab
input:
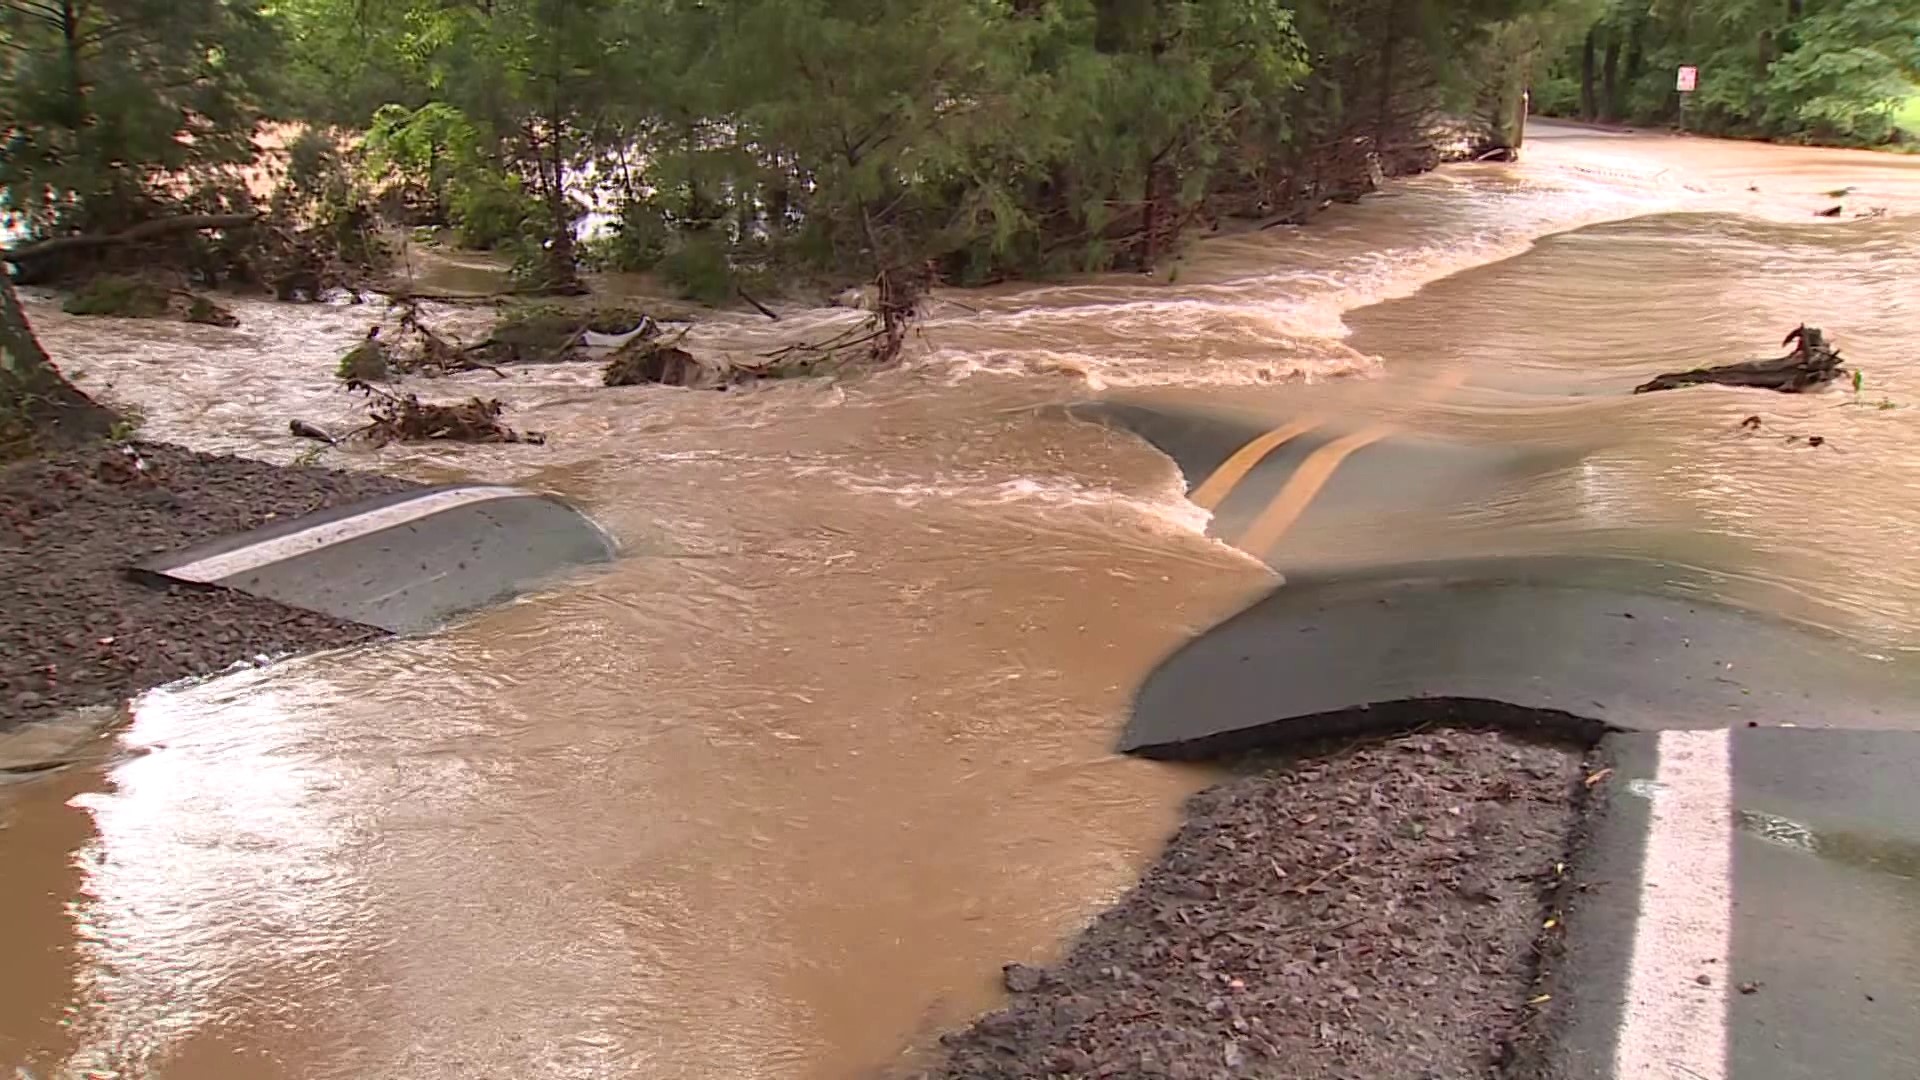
column 76, row 631
column 1744, row 890
column 406, row 562
column 1364, row 912
column 126, row 567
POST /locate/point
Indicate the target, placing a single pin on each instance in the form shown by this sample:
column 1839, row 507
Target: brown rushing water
column 775, row 795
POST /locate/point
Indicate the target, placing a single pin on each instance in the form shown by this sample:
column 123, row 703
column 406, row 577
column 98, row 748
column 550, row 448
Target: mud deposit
column 79, row 631
column 1370, row 913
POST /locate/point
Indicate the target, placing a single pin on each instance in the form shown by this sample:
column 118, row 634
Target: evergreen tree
column 100, row 99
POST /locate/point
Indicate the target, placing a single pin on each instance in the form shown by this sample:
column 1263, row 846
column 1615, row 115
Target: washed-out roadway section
column 403, row 563
column 1741, row 903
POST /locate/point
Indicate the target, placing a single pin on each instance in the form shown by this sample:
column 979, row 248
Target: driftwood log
column 1812, row 363
column 304, row 430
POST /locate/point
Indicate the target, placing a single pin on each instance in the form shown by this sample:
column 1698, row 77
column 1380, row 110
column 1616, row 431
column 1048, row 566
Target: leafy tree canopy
column 1831, row 71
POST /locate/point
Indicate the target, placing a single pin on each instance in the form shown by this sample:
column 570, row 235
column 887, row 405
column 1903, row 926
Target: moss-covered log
column 552, row 333
column 134, row 297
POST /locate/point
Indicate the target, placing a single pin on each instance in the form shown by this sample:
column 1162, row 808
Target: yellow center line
column 1303, row 485
column 1217, row 487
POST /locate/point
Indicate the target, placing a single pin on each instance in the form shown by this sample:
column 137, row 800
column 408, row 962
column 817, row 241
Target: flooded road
column 777, row 794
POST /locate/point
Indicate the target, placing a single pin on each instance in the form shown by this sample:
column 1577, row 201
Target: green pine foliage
column 974, row 139
column 722, row 141
column 99, row 96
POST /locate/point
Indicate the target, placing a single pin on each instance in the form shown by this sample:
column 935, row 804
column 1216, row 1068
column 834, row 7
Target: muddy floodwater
column 776, row 794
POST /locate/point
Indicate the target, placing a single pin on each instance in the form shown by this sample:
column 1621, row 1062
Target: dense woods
column 731, row 146
column 1825, row 71
column 728, row 141
column 731, row 140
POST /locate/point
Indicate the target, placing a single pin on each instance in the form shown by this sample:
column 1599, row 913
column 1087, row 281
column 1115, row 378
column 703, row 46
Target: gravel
column 76, row 630
column 1368, row 913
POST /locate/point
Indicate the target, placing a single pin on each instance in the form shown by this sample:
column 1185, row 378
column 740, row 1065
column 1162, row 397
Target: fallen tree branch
column 465, row 297
column 145, row 230
column 758, row 306
column 1812, row 363
column 858, row 334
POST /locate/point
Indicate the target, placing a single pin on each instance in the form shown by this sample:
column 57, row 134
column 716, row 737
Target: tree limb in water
column 305, row 430
column 145, row 230
column 758, row 306
column 471, row 297
column 1812, row 363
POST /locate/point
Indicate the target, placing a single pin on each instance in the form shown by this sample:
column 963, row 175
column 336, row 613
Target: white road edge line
column 1674, row 1027
column 219, row 567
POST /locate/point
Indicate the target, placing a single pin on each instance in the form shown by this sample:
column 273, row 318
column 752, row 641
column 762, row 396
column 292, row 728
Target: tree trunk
column 1636, row 54
column 1122, row 26
column 1589, row 107
column 101, row 207
column 76, row 83
column 37, row 403
column 1610, row 79
column 562, row 268
column 1389, row 47
column 1151, row 229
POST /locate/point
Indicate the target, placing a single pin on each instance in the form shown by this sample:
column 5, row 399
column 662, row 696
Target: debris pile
column 544, row 334
column 396, row 417
column 644, row 361
column 876, row 341
column 551, row 333
column 893, row 300
column 414, row 348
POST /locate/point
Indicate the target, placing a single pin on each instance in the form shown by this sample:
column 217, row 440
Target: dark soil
column 76, row 630
column 1370, row 914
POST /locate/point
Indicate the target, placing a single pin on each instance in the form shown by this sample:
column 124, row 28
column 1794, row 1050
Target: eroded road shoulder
column 1370, row 911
